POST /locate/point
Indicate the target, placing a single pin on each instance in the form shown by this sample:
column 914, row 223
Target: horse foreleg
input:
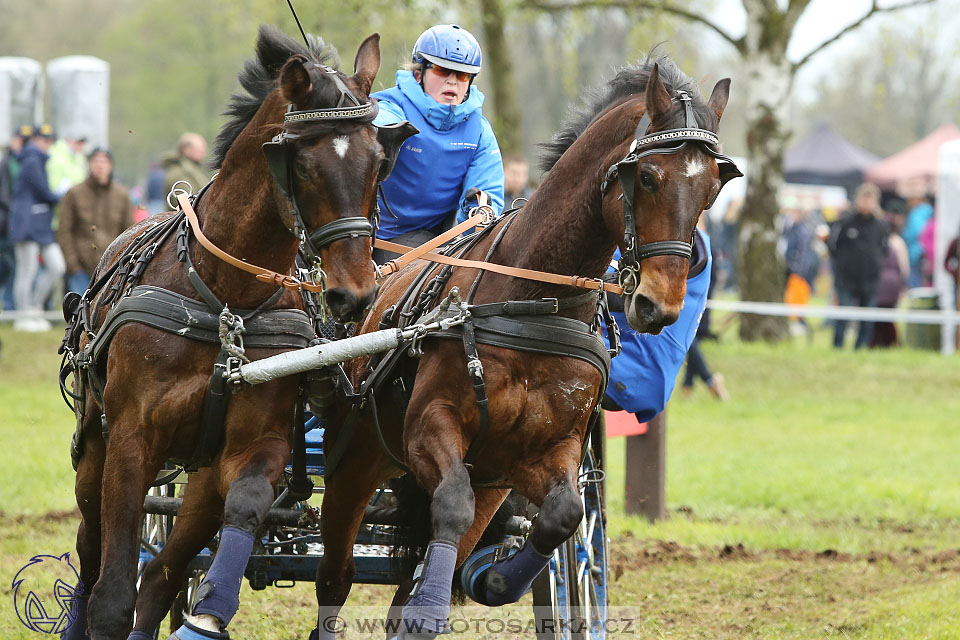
column 346, row 495
column 129, row 469
column 196, row 523
column 560, row 513
column 435, row 455
column 89, row 483
column 247, row 501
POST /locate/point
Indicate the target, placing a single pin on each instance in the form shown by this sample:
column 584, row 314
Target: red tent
column 919, row 160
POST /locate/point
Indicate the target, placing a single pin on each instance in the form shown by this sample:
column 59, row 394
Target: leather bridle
column 279, row 157
column 661, row 142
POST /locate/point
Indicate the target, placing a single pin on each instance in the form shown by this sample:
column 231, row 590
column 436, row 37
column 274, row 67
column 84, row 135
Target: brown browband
column 409, row 255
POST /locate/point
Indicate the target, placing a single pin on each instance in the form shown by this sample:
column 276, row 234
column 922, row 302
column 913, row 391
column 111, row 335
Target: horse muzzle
column 647, row 316
column 347, row 305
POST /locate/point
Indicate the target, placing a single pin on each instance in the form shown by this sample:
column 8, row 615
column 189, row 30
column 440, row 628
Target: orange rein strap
column 262, row 274
column 426, row 251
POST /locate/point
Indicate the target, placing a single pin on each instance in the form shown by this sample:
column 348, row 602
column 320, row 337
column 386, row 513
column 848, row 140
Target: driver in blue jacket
column 455, row 151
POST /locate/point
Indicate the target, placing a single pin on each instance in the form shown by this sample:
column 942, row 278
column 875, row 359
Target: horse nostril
column 342, row 303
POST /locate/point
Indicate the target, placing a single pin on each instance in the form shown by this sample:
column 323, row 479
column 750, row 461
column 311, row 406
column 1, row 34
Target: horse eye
column 648, row 181
column 301, row 170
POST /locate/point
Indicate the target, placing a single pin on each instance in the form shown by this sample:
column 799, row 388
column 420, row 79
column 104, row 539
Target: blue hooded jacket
column 643, row 376
column 455, row 151
column 31, row 210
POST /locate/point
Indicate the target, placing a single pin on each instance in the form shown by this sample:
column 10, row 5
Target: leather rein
column 663, row 142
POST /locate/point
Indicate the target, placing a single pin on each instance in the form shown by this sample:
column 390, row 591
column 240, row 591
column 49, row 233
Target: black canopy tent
column 824, row 157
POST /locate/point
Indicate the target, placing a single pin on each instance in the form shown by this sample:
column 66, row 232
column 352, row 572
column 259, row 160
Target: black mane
column 259, row 77
column 629, row 80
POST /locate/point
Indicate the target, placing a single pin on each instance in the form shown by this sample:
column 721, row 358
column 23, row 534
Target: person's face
column 866, row 203
column 196, row 150
column 42, row 143
column 100, row 168
column 445, row 85
column 16, row 144
column 515, row 176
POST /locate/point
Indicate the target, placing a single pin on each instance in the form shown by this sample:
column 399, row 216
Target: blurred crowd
column 61, row 207
column 867, row 253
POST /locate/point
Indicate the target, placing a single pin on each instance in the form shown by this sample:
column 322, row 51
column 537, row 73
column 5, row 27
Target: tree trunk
column 498, row 74
column 769, row 78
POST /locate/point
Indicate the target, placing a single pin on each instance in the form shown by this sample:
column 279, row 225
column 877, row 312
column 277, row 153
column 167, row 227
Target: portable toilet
column 21, row 92
column 80, row 98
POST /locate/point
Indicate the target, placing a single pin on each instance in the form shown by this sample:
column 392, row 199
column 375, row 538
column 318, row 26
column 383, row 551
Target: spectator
column 801, row 260
column 31, row 231
column 67, row 165
column 156, row 196
column 858, row 246
column 9, row 170
column 516, row 178
column 893, row 275
column 186, row 163
column 919, row 214
column 696, row 364
column 92, row 215
column 455, row 151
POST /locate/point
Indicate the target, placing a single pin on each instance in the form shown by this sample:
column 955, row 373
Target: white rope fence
column 948, row 320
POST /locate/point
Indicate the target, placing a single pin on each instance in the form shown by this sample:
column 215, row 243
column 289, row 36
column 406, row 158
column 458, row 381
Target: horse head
column 671, row 173
column 326, row 163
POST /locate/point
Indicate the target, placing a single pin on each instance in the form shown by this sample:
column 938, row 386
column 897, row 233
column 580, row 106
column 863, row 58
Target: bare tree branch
column 642, row 5
column 874, row 9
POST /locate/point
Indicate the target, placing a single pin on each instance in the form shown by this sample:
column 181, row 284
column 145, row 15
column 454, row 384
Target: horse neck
column 563, row 229
column 239, row 214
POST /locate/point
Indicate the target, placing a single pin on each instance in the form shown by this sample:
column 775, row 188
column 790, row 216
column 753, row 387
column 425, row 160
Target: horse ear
column 367, row 63
column 391, row 137
column 719, row 97
column 657, row 97
column 295, row 83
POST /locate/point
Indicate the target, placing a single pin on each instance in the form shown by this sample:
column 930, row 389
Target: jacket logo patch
column 464, row 145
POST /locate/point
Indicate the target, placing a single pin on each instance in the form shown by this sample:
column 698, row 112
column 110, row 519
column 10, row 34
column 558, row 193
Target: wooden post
column 646, row 471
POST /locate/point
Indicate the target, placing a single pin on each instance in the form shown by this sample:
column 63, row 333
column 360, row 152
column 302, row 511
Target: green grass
column 817, row 449
column 854, row 452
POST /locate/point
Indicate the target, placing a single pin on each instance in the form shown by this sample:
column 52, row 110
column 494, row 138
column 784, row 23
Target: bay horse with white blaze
column 646, row 138
column 298, row 164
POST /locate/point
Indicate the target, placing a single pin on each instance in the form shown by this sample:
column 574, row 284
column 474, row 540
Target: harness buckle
column 627, row 279
column 475, row 368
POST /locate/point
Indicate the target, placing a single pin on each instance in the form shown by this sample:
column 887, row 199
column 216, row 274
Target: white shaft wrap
column 291, row 362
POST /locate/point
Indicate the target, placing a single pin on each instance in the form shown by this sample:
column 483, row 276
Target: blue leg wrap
column 507, row 580
column 220, row 591
column 140, row 635
column 78, row 630
column 427, row 610
column 189, row 632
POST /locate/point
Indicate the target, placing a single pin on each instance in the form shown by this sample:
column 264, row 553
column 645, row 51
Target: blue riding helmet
column 450, row 46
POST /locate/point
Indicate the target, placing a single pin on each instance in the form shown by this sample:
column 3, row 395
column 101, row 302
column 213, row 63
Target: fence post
column 646, row 471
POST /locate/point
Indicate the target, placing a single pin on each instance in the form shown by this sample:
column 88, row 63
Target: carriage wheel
column 185, row 599
column 154, row 530
column 575, row 586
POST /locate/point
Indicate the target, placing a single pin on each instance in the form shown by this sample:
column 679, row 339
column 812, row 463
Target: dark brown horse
column 318, row 191
column 539, row 405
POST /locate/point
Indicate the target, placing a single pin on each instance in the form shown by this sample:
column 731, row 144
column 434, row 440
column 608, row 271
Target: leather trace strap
column 264, row 275
column 426, row 251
